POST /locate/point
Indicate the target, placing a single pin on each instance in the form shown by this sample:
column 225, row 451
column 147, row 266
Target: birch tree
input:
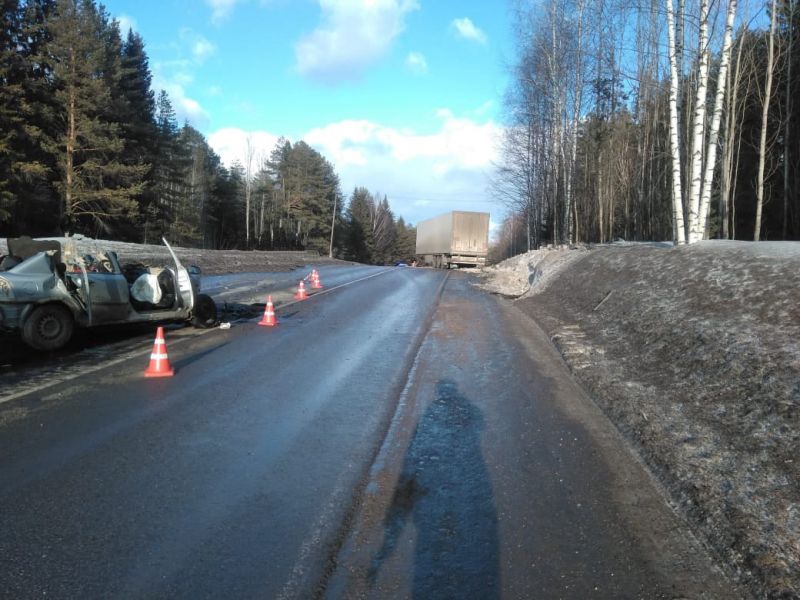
column 762, row 142
column 713, row 137
column 787, row 132
column 694, row 205
column 249, row 157
column 675, row 37
column 698, row 127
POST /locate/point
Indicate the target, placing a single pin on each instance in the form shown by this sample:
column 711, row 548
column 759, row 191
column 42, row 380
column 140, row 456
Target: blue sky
column 402, row 96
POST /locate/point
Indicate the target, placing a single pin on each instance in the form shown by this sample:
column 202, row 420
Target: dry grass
column 694, row 352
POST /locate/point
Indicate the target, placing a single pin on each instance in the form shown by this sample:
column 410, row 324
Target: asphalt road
column 238, row 295
column 403, row 436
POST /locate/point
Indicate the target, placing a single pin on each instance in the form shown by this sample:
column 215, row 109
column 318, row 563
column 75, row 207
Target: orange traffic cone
column 301, row 292
column 159, row 361
column 268, row 320
column 316, row 284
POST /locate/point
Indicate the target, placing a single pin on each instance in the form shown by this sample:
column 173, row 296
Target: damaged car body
column 47, row 289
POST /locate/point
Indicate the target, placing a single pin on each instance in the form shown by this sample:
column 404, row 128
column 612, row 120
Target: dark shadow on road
column 192, row 358
column 445, row 487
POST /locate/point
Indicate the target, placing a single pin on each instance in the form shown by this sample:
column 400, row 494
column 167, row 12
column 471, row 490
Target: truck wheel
column 205, row 312
column 49, row 327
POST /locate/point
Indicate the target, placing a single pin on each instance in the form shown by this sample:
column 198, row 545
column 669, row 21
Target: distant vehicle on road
column 458, row 238
column 47, row 289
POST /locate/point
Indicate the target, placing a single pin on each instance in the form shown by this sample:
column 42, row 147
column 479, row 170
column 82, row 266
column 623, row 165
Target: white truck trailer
column 456, row 238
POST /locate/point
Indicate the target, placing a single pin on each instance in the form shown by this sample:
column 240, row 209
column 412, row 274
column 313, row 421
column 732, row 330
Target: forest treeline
column 660, row 120
column 87, row 146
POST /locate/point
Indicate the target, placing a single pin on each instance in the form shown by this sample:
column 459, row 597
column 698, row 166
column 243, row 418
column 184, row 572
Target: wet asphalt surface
column 404, row 436
column 500, row 479
column 237, row 295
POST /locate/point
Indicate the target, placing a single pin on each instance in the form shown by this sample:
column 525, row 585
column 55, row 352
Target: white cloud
column 353, row 35
column 198, row 46
column 467, row 29
column 231, row 145
column 126, row 23
column 423, row 175
column 220, row 9
column 186, row 108
column 416, row 63
column 177, row 76
column 180, row 76
column 202, row 49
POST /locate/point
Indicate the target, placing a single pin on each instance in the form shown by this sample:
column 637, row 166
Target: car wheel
column 49, row 327
column 205, row 312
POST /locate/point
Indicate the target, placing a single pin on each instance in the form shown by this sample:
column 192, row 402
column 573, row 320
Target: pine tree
column 305, row 188
column 360, row 239
column 227, row 211
column 95, row 184
column 200, row 170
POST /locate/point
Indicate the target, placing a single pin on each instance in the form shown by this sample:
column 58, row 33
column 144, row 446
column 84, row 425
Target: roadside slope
column 694, row 352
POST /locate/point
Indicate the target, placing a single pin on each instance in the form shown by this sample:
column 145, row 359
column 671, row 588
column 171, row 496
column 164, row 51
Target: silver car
column 47, row 289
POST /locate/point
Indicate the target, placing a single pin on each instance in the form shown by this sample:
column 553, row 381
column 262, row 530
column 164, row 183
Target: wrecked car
column 47, row 289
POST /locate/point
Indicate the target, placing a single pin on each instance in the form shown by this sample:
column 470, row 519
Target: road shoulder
column 571, row 511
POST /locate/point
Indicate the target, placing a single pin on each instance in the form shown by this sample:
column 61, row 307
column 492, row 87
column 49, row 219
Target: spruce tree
column 27, row 201
column 11, row 94
column 361, row 241
column 405, row 241
column 167, row 175
column 137, row 110
column 135, row 106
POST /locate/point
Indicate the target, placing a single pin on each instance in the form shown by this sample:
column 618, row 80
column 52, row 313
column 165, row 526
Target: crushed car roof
column 25, row 247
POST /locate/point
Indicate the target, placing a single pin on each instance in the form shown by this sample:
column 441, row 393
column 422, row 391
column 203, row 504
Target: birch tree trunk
column 699, row 127
column 674, row 142
column 727, row 186
column 787, row 123
column 248, row 188
column 573, row 129
column 333, row 225
column 716, row 118
column 762, row 143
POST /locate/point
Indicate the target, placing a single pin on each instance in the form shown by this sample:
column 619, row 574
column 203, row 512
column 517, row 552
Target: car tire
column 205, row 312
column 49, row 327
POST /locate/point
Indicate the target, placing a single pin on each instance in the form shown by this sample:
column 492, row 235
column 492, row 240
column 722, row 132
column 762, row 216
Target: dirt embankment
column 694, row 353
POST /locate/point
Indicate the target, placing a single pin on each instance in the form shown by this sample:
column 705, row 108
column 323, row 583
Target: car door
column 108, row 290
column 185, row 292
